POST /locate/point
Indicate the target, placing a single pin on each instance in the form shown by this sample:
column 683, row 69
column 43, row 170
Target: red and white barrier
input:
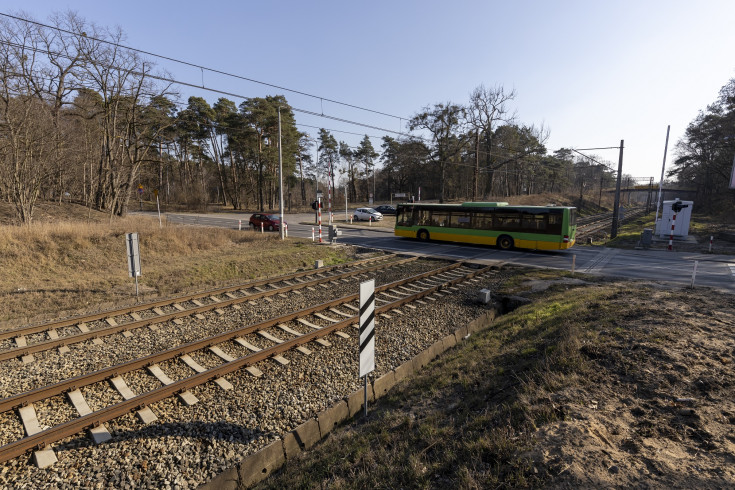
column 320, row 223
column 671, row 237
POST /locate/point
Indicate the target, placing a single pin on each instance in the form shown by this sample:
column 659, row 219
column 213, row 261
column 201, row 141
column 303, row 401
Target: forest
column 85, row 119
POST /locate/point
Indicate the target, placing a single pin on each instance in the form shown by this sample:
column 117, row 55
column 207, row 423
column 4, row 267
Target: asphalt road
column 656, row 266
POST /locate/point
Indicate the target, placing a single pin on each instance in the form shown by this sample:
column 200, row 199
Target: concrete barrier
column 403, row 371
column 331, row 417
column 261, row 464
column 383, row 384
column 421, row 360
column 307, row 434
column 461, row 333
column 436, row 349
column 449, row 341
column 356, row 400
column 227, row 480
column 291, row 447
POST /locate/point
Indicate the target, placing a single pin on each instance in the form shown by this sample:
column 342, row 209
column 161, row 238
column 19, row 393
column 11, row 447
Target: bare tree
column 488, row 109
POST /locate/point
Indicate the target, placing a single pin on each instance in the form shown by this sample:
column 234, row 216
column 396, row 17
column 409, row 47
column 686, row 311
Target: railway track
column 598, row 225
column 243, row 347
column 24, row 342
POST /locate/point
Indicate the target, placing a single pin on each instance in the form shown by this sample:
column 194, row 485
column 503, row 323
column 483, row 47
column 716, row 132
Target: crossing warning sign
column 367, row 327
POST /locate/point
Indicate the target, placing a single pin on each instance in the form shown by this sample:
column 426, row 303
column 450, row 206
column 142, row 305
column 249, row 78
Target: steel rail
column 72, row 427
column 113, row 329
column 68, row 322
column 70, row 384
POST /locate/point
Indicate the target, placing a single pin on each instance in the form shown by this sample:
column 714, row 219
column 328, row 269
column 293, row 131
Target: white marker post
column 367, row 332
column 694, row 272
column 131, row 240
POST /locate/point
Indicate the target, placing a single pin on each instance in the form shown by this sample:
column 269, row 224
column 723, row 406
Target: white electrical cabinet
column 681, row 227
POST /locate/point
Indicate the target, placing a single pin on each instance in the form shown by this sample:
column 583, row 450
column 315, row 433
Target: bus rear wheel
column 423, row 235
column 505, row 242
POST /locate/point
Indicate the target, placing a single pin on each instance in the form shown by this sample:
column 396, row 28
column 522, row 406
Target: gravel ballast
column 189, row 445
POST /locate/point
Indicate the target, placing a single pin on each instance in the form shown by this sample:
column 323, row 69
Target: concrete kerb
column 227, row 480
column 259, row 465
column 307, row 434
column 403, row 371
column 355, row 401
column 383, row 384
column 331, row 417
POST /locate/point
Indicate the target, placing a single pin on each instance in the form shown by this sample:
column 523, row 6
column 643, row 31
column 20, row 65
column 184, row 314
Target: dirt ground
column 657, row 409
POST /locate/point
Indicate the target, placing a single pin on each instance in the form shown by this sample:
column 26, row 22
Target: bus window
column 534, row 223
column 460, row 219
column 482, row 220
column 507, row 221
column 555, row 221
column 440, row 218
column 422, row 217
column 403, row 216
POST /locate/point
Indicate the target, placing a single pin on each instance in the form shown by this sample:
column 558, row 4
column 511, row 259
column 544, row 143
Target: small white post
column 312, row 234
column 239, row 225
column 694, row 272
column 158, row 205
column 285, row 229
column 261, row 227
column 710, row 243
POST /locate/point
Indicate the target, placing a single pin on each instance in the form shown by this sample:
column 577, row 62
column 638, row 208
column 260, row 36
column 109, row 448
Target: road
column 656, row 266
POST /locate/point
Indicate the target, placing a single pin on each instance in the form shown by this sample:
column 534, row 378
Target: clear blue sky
column 593, row 72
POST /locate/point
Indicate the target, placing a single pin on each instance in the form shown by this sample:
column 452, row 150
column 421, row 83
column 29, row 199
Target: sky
column 593, row 73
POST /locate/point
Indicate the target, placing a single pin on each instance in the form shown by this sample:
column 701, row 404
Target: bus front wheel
column 423, row 235
column 505, row 242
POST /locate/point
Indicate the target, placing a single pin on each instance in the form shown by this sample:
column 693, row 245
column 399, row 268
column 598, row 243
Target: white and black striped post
column 367, row 332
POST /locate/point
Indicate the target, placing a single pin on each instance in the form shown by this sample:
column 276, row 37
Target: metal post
column 280, row 175
column 661, row 182
column 616, row 211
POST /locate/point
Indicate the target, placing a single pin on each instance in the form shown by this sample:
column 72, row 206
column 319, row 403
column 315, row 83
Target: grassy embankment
column 480, row 416
column 55, row 269
column 467, row 419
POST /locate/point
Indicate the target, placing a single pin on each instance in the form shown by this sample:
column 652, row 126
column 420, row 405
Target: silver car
column 367, row 214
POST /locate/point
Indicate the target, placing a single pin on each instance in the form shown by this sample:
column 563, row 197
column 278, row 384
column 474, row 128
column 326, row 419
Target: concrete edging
column 259, row 465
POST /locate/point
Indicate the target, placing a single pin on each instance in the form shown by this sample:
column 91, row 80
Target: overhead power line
column 203, row 68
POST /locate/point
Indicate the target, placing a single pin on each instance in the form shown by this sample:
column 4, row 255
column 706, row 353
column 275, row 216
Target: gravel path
column 189, row 445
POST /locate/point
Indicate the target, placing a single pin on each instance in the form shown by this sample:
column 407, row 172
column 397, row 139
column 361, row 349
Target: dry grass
column 54, row 269
column 467, row 420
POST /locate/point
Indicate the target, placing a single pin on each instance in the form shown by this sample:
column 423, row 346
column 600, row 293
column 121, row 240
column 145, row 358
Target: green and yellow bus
column 490, row 223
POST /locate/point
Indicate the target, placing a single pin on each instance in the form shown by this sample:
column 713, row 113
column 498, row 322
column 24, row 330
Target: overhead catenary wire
column 202, row 68
column 239, row 96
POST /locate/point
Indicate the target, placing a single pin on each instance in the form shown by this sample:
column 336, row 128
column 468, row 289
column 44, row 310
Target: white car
column 367, row 214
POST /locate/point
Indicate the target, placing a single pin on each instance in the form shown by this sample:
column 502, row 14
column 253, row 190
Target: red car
column 270, row 222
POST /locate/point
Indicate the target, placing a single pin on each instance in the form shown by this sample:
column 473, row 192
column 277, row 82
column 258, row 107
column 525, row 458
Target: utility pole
column 281, row 226
column 616, row 211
